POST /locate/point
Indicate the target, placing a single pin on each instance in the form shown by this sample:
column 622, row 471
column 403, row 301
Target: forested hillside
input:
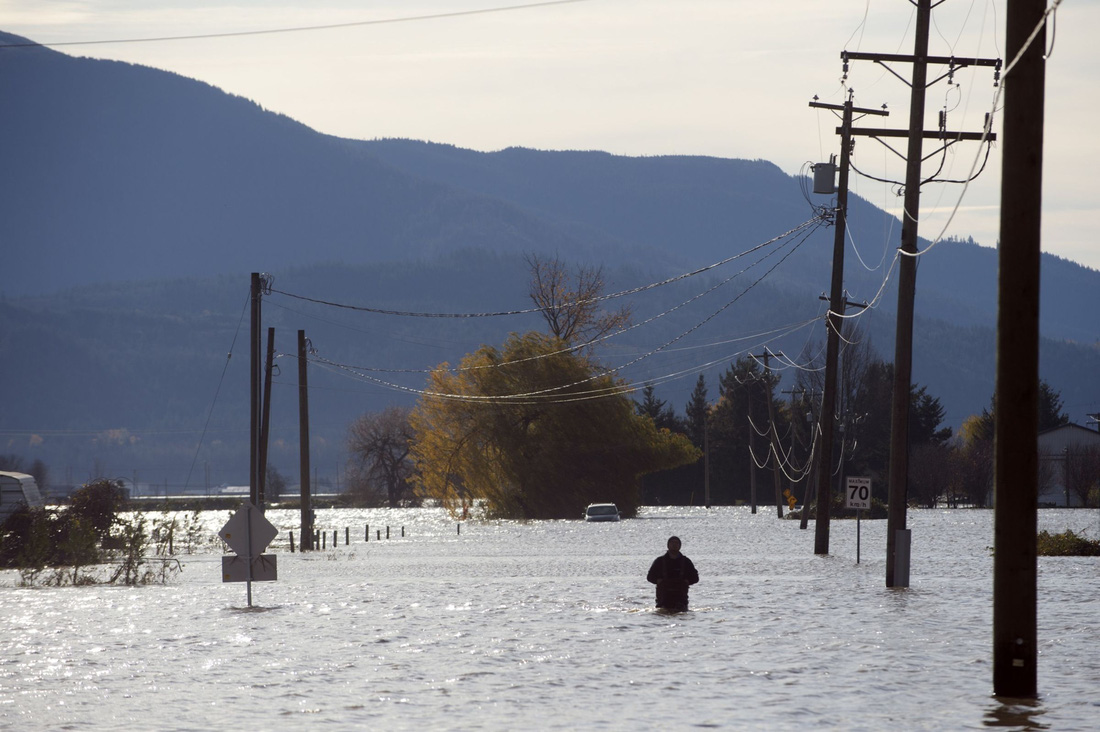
column 135, row 203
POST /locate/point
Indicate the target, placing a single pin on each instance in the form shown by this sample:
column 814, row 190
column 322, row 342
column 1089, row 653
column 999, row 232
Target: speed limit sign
column 859, row 493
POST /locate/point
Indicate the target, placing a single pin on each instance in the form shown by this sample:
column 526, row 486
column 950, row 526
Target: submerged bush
column 61, row 547
column 1067, row 544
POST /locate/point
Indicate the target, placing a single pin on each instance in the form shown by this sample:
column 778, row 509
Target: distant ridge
column 135, row 202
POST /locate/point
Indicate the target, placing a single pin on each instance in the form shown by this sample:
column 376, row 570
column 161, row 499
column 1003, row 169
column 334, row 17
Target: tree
column 658, row 410
column 379, row 444
column 274, row 484
column 1082, row 474
column 742, row 403
column 534, row 431
column 925, row 417
column 1050, row 413
column 98, row 504
column 697, row 410
column 571, row 310
column 1050, row 407
column 930, row 473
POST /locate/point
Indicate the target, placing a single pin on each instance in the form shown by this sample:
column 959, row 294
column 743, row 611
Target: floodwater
column 549, row 626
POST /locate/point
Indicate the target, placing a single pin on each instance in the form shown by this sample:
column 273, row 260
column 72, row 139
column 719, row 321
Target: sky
column 725, row 78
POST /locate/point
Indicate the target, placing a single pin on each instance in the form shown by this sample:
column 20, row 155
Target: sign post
column 248, row 532
column 858, row 496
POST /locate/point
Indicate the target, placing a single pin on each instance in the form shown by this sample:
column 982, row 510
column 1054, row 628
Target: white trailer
column 18, row 489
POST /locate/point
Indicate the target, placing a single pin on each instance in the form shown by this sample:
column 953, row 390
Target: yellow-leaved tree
column 534, row 431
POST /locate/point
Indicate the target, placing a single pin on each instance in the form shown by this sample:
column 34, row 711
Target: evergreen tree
column 658, row 410
column 696, row 411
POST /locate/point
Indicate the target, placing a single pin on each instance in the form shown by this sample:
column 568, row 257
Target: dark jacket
column 673, row 576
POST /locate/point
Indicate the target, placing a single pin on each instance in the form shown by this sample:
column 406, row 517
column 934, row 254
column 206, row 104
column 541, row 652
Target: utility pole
column 898, row 576
column 265, row 420
column 811, row 475
column 1016, row 419
column 833, row 323
column 752, row 457
column 766, row 356
column 706, row 464
column 254, row 390
column 303, row 444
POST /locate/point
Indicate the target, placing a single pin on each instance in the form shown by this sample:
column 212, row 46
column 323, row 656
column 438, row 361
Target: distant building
column 18, row 489
column 1055, row 447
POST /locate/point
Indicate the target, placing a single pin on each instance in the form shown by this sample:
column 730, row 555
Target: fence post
column 347, row 536
column 291, row 542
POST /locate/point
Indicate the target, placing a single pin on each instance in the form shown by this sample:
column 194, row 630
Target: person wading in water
column 673, row 573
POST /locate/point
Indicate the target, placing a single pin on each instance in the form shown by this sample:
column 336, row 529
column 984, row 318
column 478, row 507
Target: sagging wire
column 821, row 211
column 606, row 372
column 775, row 334
column 988, row 124
column 221, row 380
column 580, row 346
column 595, row 341
column 527, row 311
column 782, row 462
column 296, row 29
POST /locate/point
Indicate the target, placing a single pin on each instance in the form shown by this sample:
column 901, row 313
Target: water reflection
column 1021, row 714
column 551, row 625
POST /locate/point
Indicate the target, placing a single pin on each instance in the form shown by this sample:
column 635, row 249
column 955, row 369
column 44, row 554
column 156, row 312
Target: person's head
column 674, row 544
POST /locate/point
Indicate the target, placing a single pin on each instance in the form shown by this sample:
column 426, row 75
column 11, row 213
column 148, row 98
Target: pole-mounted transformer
column 825, row 176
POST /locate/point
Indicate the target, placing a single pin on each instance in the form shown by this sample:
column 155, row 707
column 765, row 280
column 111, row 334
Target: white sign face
column 248, row 520
column 858, row 494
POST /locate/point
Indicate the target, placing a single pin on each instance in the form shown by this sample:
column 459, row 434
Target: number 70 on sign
column 858, row 494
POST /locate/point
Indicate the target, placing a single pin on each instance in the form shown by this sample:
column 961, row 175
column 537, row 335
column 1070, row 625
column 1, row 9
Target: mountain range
column 134, row 203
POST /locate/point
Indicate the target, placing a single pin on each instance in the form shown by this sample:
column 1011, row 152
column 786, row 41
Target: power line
column 814, row 221
column 529, row 398
column 509, row 398
column 297, row 29
column 217, row 391
column 595, row 341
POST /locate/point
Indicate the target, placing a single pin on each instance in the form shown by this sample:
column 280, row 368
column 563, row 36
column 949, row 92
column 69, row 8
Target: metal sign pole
column 859, row 517
column 248, row 582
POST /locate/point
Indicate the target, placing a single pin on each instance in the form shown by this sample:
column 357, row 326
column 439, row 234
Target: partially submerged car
column 601, row 512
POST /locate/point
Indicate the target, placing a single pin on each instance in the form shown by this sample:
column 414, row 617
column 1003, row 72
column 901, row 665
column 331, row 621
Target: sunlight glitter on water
column 549, row 625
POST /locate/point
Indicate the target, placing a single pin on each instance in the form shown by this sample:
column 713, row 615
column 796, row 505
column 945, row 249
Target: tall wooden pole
column 752, row 456
column 1016, row 413
column 254, row 392
column 833, row 323
column 303, row 445
column 265, row 419
column 907, row 287
column 832, row 341
column 706, row 463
